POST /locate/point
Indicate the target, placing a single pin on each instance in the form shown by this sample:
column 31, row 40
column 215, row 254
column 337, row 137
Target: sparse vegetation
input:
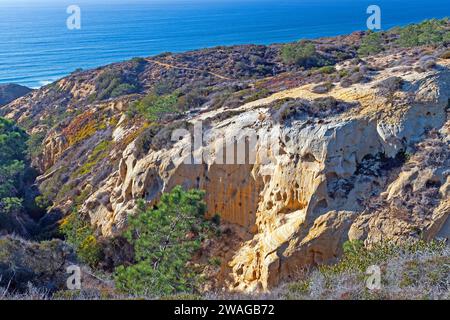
column 411, row 271
column 156, row 136
column 323, row 88
column 259, row 94
column 85, row 126
column 29, row 267
column 390, row 85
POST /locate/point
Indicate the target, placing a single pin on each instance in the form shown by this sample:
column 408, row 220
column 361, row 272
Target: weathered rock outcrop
column 314, row 178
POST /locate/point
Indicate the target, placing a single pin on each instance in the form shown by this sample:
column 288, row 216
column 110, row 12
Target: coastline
column 98, row 43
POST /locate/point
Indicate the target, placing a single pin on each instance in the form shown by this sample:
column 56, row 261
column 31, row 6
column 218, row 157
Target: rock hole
column 433, row 184
column 321, row 205
column 309, row 157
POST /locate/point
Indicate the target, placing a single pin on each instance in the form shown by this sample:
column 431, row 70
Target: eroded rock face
column 311, row 181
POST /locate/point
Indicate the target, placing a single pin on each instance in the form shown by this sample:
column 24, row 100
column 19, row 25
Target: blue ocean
column 36, row 47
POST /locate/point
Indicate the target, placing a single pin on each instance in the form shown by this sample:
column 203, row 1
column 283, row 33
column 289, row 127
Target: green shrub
column 326, row 70
column 34, row 143
column 16, row 180
column 164, row 87
column 13, row 159
column 302, row 54
column 52, row 119
column 192, row 100
column 11, row 179
column 154, row 107
column 123, row 89
column 114, row 83
column 259, row 94
column 80, row 235
column 42, row 202
column 343, row 73
column 12, row 142
column 215, row 261
column 165, row 239
column 191, row 297
column 428, row 32
column 138, row 60
column 372, row 43
column 81, row 198
column 11, row 205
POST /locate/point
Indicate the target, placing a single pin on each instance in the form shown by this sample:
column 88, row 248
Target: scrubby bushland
column 417, row 270
column 25, row 264
column 113, row 83
column 428, row 32
column 303, row 54
column 425, row 33
column 165, row 239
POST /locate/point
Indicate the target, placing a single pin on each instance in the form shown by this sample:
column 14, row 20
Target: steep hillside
column 299, row 147
column 10, row 92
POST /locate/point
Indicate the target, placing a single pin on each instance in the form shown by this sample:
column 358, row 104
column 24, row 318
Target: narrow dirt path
column 171, row 66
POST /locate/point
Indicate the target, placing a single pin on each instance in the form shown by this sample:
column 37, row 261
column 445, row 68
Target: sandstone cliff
column 329, row 179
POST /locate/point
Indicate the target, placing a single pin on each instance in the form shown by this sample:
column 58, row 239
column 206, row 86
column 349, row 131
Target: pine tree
column 165, row 239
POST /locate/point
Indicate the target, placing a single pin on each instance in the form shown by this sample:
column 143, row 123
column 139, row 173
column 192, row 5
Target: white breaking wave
column 45, row 82
column 42, row 83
